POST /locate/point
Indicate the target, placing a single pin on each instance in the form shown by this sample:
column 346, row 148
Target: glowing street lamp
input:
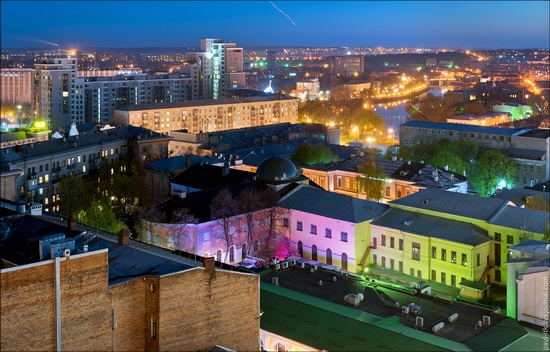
column 390, row 131
column 369, row 141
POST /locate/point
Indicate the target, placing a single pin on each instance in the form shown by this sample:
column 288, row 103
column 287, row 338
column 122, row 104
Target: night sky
column 452, row 24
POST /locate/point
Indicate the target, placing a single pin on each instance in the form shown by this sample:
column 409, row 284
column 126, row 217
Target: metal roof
column 332, row 205
column 463, row 127
column 209, row 102
column 522, row 219
column 433, row 226
column 459, row 204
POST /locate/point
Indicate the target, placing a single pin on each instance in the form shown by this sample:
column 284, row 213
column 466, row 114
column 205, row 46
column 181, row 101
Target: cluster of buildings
column 528, row 149
column 60, row 94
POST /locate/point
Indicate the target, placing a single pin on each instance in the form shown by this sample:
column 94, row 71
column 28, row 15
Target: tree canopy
column 308, row 154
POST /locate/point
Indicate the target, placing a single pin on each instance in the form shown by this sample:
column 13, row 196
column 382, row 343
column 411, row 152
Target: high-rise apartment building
column 219, row 67
column 347, row 66
column 54, row 84
column 17, row 86
column 95, row 98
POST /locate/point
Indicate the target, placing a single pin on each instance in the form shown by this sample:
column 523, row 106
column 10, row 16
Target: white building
column 54, row 86
column 219, row 67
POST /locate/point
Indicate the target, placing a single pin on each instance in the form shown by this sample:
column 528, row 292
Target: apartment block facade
column 17, row 86
column 210, row 115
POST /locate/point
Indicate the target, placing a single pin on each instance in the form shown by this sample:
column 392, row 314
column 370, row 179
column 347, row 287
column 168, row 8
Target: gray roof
column 83, row 140
column 433, row 226
column 187, row 104
column 180, row 162
column 463, row 127
column 459, row 204
column 522, row 219
column 519, row 195
column 526, row 153
column 350, row 165
column 332, row 205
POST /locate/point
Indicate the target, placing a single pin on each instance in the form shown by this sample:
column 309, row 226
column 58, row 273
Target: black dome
column 276, row 169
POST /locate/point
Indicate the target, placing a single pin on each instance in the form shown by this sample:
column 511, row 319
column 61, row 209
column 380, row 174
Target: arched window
column 344, row 261
column 243, row 252
column 329, row 256
column 314, row 252
column 231, row 254
column 219, row 255
column 301, row 249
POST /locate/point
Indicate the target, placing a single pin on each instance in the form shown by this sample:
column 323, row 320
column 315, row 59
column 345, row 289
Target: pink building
column 17, row 86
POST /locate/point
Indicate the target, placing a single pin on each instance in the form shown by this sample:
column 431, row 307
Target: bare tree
column 182, row 234
column 249, row 203
column 274, row 230
column 223, row 210
column 149, row 224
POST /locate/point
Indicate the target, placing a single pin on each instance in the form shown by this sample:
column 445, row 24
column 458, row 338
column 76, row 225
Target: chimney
column 394, row 158
column 71, row 224
column 446, row 167
column 188, row 160
column 209, row 264
column 123, row 238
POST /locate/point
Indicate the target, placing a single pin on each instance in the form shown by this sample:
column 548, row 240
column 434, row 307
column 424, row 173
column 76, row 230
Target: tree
column 100, row 216
column 308, row 155
column 249, row 203
column 181, row 235
column 76, row 195
column 274, row 228
column 223, row 210
column 491, row 168
column 537, row 202
column 172, row 231
column 370, row 178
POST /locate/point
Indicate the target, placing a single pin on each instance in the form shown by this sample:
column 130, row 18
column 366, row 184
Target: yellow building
column 211, row 115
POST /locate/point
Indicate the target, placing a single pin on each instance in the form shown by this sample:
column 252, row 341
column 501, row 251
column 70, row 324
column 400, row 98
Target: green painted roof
column 329, row 326
column 499, row 336
column 476, row 285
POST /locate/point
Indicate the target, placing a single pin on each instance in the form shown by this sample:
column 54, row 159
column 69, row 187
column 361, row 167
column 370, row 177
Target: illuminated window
column 453, row 257
column 464, row 259
column 434, row 252
column 416, row 251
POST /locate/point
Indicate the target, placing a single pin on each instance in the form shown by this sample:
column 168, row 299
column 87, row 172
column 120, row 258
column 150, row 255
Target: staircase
column 487, row 270
column 365, row 256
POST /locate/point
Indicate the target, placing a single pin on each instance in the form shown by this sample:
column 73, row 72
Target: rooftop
column 529, row 220
column 332, row 205
column 209, row 102
column 452, row 203
column 432, row 226
column 462, row 127
column 318, row 315
column 205, row 176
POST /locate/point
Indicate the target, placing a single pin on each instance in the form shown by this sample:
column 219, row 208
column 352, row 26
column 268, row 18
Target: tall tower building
column 54, row 87
column 220, row 68
column 271, row 56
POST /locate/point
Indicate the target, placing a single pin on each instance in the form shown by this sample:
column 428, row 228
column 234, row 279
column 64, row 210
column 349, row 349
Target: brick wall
column 219, row 308
column 128, row 310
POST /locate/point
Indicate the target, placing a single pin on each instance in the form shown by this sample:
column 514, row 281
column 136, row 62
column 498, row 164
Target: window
column 285, row 222
column 339, row 182
column 383, row 262
column 400, row 266
column 313, row 229
column 374, row 259
column 464, row 259
column 497, row 237
column 443, row 278
column 412, row 272
column 416, row 251
column 383, row 240
column 443, row 254
column 453, row 257
column 453, row 280
column 347, row 182
column 400, row 244
column 434, row 275
column 478, row 259
column 392, row 264
column 328, row 233
column 419, row 274
column 509, row 239
column 392, row 242
column 153, row 328
column 343, row 236
column 206, row 236
column 388, row 190
column 497, row 275
column 298, row 225
column 434, row 252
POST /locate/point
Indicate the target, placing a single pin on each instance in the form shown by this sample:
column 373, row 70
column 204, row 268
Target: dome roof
column 276, row 169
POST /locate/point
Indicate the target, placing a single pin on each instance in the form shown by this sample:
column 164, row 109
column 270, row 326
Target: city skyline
column 456, row 24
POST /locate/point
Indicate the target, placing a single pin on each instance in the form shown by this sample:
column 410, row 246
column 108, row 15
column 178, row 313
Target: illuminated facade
column 211, row 115
column 17, row 86
column 347, row 66
column 54, row 87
